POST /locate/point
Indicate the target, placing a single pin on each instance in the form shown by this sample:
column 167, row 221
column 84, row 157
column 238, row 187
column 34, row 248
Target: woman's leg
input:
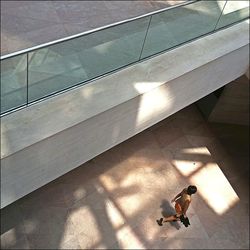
column 168, row 219
column 171, row 218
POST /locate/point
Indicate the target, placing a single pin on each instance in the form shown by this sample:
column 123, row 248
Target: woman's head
column 191, row 189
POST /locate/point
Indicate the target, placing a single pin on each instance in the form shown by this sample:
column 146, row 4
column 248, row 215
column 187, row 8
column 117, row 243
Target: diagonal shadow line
column 192, row 173
column 139, row 235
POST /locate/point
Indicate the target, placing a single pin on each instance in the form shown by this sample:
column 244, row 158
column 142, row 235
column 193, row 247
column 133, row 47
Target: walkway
column 26, row 24
column 113, row 200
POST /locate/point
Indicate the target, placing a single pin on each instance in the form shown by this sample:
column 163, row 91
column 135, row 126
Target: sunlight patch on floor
column 11, row 236
column 128, row 239
column 114, row 215
column 90, row 226
column 108, row 182
column 79, row 193
column 214, row 188
column 187, row 167
column 196, row 150
column 129, row 196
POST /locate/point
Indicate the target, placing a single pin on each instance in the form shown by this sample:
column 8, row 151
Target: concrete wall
column 49, row 139
column 233, row 104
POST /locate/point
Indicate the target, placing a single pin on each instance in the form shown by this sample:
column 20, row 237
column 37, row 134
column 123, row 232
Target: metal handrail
column 44, row 45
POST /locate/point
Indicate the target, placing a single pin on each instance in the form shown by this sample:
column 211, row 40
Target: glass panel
column 69, row 63
column 13, row 82
column 179, row 25
column 234, row 11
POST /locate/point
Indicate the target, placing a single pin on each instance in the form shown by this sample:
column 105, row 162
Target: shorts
column 178, row 210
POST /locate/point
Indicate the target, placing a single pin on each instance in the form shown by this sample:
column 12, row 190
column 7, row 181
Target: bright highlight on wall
column 152, row 104
column 233, row 6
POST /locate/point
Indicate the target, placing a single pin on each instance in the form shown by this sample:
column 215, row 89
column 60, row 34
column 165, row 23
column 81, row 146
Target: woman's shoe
column 160, row 221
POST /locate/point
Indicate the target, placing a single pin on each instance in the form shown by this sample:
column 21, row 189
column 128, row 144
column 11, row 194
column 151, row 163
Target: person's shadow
column 168, row 210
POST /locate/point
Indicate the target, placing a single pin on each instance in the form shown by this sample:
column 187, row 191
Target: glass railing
column 37, row 73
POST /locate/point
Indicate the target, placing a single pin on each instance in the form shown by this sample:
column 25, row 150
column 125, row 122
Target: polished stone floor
column 113, row 200
column 26, row 24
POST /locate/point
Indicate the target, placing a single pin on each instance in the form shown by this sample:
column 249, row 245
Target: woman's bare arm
column 178, row 195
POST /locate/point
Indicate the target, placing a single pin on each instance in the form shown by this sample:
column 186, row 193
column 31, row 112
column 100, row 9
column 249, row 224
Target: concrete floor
column 113, row 200
column 28, row 23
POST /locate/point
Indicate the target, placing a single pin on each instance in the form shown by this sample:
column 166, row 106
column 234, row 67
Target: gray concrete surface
column 233, row 104
column 28, row 23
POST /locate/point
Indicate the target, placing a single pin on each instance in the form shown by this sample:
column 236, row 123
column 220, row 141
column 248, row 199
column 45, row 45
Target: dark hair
column 191, row 189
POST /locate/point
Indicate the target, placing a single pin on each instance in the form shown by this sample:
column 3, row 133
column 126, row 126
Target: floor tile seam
column 88, row 236
column 72, row 234
column 130, row 219
column 35, row 32
column 191, row 119
column 164, row 146
column 214, row 235
column 202, row 223
column 17, row 240
column 78, row 202
column 29, row 241
column 127, row 235
column 133, row 228
column 206, row 133
column 27, row 32
column 30, row 4
column 22, row 227
column 202, row 137
column 170, row 151
column 184, row 237
column 21, row 233
column 70, row 19
column 218, row 141
column 87, row 194
column 27, row 218
column 188, row 237
column 32, row 18
column 25, row 36
column 162, row 169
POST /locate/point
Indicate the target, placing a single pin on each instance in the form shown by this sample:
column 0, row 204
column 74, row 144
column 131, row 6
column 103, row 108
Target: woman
column 182, row 202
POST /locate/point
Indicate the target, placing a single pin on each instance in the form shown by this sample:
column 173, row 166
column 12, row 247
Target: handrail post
column 27, row 80
column 220, row 15
column 145, row 37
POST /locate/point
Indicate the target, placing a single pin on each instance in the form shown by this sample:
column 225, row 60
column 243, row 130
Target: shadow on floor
column 167, row 210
